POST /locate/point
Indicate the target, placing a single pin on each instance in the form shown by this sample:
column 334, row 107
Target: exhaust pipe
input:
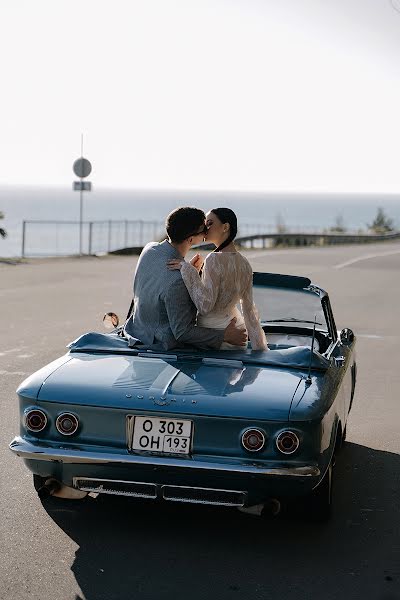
column 270, row 508
column 49, row 487
column 52, row 487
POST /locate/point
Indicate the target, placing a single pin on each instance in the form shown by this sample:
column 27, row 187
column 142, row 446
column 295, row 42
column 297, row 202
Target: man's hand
column 197, row 261
column 235, row 336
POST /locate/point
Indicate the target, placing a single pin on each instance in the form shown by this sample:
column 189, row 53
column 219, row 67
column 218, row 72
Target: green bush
column 339, row 226
column 381, row 223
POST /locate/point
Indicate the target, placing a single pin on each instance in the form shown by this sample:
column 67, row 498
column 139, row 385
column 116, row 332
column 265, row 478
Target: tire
column 319, row 502
column 38, row 482
column 344, row 436
column 353, row 384
column 340, row 440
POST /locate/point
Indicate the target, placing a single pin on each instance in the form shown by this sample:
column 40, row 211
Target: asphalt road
column 106, row 549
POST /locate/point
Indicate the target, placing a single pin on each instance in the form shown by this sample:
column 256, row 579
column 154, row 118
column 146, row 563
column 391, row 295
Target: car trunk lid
column 221, row 388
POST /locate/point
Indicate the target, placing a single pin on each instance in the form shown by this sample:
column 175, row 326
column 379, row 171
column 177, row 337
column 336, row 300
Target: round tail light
column 35, row 420
column 67, row 423
column 287, row 442
column 253, row 440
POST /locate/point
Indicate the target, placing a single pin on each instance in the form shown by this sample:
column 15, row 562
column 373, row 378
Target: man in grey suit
column 164, row 315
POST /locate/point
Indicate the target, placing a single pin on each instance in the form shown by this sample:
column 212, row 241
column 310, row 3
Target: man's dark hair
column 184, row 222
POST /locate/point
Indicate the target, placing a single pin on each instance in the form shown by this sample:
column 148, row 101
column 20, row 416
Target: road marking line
column 270, row 252
column 21, row 373
column 366, row 257
column 371, row 336
column 11, row 350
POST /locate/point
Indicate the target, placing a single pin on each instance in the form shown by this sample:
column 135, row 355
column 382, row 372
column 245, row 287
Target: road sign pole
column 23, row 239
column 81, row 204
column 80, row 218
column 90, row 238
column 82, row 168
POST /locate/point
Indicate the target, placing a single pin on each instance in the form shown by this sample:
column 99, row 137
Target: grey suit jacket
column 164, row 314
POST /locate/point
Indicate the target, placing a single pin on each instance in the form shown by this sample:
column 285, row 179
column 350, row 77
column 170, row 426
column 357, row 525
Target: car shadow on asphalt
column 130, row 549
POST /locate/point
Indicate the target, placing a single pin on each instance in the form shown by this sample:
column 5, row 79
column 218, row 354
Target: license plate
column 154, row 434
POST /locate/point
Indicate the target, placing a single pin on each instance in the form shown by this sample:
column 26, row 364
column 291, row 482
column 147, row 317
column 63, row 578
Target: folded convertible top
column 111, row 343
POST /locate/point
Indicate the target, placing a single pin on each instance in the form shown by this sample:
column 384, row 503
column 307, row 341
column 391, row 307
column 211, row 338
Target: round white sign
column 82, row 167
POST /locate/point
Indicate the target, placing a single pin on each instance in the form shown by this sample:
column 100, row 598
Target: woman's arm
column 203, row 291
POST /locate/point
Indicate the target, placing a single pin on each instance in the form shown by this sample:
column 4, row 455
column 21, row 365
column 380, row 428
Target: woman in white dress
column 226, row 281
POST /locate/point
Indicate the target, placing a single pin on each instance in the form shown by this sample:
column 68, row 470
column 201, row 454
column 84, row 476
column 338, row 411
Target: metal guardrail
column 61, row 238
column 322, row 238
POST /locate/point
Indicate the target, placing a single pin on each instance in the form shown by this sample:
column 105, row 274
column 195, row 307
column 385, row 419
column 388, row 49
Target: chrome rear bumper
column 151, row 491
column 33, row 451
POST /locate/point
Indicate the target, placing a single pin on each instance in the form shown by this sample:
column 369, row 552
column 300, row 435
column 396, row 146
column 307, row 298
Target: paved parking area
column 120, row 549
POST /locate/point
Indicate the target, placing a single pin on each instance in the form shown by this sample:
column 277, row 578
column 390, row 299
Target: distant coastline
column 308, row 210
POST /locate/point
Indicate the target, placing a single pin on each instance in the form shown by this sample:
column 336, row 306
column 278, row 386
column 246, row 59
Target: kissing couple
column 178, row 303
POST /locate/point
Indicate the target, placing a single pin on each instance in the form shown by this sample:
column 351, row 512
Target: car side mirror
column 347, row 336
column 110, row 320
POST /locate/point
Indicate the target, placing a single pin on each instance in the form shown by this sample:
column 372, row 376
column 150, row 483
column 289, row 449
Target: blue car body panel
column 106, row 385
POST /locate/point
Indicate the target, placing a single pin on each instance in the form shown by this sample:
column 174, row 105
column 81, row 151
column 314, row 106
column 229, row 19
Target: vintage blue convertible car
column 243, row 429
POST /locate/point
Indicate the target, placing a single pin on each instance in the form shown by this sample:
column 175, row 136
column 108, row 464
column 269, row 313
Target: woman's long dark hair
column 226, row 215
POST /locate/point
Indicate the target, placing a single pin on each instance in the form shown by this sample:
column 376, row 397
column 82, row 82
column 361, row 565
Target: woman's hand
column 175, row 264
column 197, row 261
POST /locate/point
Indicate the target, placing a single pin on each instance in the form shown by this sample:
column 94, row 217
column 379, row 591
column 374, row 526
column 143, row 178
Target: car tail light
column 67, row 423
column 253, row 440
column 35, row 420
column 287, row 442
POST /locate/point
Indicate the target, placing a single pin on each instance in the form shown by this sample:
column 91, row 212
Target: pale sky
column 267, row 95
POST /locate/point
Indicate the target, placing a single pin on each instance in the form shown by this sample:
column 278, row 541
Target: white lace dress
column 227, row 279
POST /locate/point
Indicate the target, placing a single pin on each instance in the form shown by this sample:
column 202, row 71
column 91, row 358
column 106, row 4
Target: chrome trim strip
column 150, row 354
column 331, row 348
column 237, row 493
column 31, row 451
column 223, row 362
column 110, row 491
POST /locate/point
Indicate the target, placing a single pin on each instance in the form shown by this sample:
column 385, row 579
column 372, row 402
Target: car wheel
column 340, row 440
column 344, row 436
column 38, row 482
column 319, row 502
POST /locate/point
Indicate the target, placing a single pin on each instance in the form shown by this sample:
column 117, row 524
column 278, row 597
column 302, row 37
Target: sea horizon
column 301, row 210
